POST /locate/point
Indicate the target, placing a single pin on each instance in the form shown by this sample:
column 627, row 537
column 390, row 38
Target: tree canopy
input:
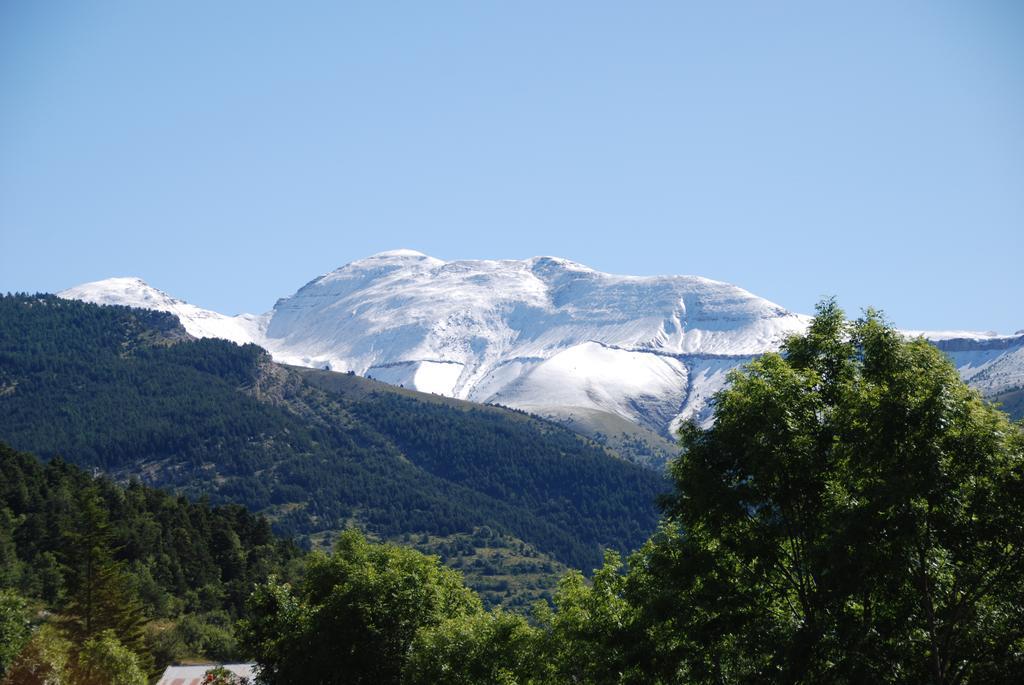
column 125, row 391
column 855, row 513
column 355, row 615
column 99, row 562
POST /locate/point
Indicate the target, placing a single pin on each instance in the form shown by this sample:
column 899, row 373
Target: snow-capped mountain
column 201, row 323
column 991, row 363
column 545, row 334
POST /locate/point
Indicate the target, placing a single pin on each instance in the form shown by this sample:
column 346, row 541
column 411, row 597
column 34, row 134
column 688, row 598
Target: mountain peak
column 547, row 263
column 131, row 291
column 124, row 290
column 545, row 334
column 400, row 252
column 392, row 259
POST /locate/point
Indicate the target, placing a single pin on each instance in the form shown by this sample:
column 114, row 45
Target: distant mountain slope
column 1012, row 402
column 993, row 364
column 119, row 389
column 201, row 323
column 546, row 335
column 543, row 334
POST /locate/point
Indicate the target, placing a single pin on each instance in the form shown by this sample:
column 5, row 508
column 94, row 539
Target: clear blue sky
column 228, row 152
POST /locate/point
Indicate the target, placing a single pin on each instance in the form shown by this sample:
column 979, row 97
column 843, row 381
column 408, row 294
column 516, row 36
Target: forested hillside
column 853, row 516
column 1012, row 402
column 167, row 575
column 126, row 391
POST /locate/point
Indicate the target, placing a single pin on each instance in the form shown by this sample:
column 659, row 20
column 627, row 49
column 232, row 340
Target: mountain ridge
column 544, row 334
column 124, row 390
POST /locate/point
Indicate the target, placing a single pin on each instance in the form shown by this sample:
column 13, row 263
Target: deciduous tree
column 855, row 514
column 355, row 615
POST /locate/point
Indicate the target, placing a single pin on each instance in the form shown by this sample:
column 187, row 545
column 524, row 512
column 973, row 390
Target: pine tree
column 102, row 596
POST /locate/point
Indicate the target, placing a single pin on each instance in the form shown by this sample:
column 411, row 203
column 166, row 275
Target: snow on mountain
column 991, row 363
column 543, row 334
column 201, row 323
column 546, row 335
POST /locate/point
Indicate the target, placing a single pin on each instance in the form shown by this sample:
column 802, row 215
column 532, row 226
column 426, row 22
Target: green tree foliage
column 855, row 514
column 123, row 390
column 50, row 658
column 588, row 634
column 10, row 566
column 104, row 660
column 102, row 557
column 478, row 647
column 103, row 598
column 169, row 552
column 531, row 464
column 44, row 660
column 355, row 615
column 210, row 634
column 14, row 627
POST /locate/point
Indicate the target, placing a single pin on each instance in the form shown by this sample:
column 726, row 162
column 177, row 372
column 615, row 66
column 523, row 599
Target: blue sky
column 228, row 152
